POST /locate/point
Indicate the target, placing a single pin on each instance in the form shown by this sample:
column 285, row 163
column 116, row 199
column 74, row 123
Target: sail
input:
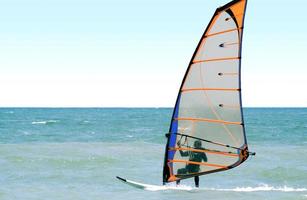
column 207, row 120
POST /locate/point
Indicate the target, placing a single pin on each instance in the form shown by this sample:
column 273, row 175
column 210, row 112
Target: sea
column 76, row 153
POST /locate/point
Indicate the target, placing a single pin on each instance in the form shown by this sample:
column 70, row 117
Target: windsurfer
column 193, row 157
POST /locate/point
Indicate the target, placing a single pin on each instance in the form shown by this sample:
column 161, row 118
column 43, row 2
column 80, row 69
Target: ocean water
column 61, row 153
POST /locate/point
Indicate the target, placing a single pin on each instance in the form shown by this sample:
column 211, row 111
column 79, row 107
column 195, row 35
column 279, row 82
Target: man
column 193, row 157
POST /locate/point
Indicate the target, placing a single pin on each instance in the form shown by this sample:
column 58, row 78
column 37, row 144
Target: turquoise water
column 76, row 154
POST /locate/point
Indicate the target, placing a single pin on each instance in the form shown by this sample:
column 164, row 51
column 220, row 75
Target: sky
column 134, row 53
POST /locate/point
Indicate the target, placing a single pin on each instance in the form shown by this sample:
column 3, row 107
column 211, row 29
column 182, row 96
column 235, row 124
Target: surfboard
column 150, row 187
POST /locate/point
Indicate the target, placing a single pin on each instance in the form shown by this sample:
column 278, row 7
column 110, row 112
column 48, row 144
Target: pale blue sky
column 135, row 53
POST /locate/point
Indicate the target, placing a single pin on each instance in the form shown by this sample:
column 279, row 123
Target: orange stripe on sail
column 216, row 59
column 214, row 89
column 222, row 32
column 234, row 5
column 170, row 170
column 229, row 44
column 228, row 73
column 198, row 163
column 207, row 120
column 230, row 106
column 206, row 151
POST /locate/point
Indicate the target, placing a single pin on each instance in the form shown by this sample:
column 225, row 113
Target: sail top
column 207, row 132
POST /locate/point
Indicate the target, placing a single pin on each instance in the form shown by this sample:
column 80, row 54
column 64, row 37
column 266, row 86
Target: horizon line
column 134, row 107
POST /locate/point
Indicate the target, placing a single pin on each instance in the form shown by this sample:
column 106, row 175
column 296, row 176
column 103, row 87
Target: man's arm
column 182, row 153
column 205, row 157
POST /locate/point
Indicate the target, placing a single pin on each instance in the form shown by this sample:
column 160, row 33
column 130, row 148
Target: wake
column 260, row 188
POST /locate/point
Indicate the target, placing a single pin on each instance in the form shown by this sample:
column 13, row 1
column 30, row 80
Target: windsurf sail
column 207, row 121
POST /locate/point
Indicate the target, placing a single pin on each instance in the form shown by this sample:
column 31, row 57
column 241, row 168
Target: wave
column 260, row 188
column 45, row 122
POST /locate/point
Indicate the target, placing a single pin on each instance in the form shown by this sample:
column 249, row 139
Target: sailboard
column 150, row 187
column 207, row 120
column 207, row 133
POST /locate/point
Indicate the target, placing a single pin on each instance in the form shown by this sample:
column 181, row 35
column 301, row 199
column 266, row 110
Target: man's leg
column 196, row 180
column 181, row 171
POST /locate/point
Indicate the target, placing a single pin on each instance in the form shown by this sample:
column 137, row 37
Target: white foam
column 39, row 122
column 26, row 133
column 158, row 187
column 44, row 122
column 261, row 188
column 173, row 186
column 168, row 187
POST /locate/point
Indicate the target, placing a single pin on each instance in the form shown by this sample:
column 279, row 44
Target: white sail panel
column 222, row 74
column 214, row 105
column 223, row 22
column 221, row 133
column 224, row 45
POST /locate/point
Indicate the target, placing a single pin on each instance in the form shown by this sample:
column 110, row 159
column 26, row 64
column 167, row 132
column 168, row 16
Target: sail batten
column 207, row 120
column 198, row 163
column 222, row 32
column 206, row 151
column 216, row 59
column 215, row 143
column 207, row 123
column 208, row 89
